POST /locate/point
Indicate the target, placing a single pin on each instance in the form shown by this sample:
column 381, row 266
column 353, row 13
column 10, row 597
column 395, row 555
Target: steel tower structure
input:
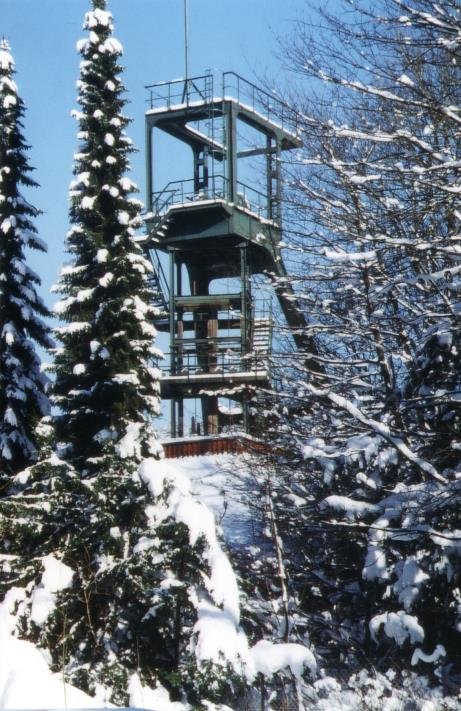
column 223, row 222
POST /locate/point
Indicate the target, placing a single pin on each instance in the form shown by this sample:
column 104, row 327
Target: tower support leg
column 180, row 418
column 173, row 418
column 210, row 412
column 246, row 415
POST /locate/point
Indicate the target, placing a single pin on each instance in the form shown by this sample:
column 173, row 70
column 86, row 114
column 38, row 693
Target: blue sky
column 236, row 35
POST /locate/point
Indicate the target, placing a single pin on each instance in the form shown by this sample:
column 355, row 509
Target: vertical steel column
column 149, row 166
column 278, row 181
column 269, row 172
column 231, row 149
column 172, row 311
column 246, row 324
column 179, row 352
column 245, row 299
column 246, row 413
column 180, row 427
column 186, row 39
column 196, row 153
column 173, row 417
column 172, row 337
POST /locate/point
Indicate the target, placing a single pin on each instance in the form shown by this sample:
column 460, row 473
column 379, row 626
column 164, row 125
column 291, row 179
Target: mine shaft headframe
column 222, row 222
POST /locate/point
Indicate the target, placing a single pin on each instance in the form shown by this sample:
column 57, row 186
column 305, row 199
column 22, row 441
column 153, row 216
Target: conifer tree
column 22, row 386
column 105, row 383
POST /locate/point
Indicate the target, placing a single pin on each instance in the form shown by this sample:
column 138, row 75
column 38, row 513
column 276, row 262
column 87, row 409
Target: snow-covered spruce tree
column 22, row 386
column 105, row 384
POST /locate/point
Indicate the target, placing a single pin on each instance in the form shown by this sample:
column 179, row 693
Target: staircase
column 262, row 337
column 159, row 289
column 160, row 225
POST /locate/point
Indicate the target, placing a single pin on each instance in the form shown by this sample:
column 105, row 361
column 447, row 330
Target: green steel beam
column 217, row 300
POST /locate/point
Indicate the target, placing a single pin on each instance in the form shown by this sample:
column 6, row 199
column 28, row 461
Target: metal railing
column 252, row 200
column 260, row 101
column 181, row 91
column 227, row 362
column 200, row 90
column 222, row 353
column 178, row 192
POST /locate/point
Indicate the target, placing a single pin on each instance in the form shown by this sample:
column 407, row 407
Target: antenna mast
column 186, row 38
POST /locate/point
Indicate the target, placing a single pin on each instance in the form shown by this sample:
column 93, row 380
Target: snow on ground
column 26, row 681
column 142, row 697
column 216, row 481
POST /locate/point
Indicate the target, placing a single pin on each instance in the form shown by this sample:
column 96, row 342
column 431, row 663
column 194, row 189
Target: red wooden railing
column 222, row 444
